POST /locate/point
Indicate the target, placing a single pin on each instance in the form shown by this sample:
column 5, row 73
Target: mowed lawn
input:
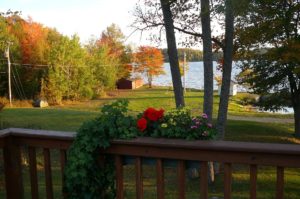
column 70, row 116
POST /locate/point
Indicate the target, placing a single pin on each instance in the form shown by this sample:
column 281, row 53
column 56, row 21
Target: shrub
column 247, row 99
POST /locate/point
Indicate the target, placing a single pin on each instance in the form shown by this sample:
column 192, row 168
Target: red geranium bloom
column 142, row 124
column 150, row 113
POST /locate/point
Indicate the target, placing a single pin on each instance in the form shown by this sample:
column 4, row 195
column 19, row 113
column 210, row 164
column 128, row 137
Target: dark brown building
column 129, row 83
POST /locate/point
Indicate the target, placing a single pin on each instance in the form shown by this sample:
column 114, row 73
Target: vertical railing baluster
column 203, row 180
column 119, row 177
column 253, row 181
column 280, row 183
column 48, row 176
column 181, row 179
column 227, row 180
column 33, row 173
column 13, row 170
column 139, row 178
column 63, row 159
column 160, row 185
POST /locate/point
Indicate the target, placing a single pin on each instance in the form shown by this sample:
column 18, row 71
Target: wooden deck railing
column 228, row 153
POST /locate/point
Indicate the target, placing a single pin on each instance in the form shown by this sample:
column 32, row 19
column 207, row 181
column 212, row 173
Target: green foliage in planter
column 86, row 178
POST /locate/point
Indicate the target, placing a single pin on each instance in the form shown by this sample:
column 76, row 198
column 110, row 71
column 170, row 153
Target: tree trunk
column 227, row 68
column 150, row 81
column 207, row 59
column 172, row 52
column 297, row 119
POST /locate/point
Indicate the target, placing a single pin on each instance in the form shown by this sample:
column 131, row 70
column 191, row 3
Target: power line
column 35, row 65
column 21, row 85
column 43, row 66
column 16, row 85
column 29, row 67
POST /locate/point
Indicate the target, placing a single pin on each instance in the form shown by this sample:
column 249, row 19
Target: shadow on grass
column 259, row 132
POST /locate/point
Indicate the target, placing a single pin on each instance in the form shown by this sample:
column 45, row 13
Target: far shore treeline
column 192, row 55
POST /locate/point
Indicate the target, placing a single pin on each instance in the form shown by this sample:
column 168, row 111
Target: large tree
column 227, row 68
column 114, row 39
column 207, row 59
column 69, row 76
column 104, row 66
column 172, row 51
column 269, row 35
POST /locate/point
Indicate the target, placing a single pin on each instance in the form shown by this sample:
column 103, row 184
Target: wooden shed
column 129, row 83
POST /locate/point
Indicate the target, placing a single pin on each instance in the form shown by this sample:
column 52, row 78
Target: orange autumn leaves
column 149, row 61
column 32, row 37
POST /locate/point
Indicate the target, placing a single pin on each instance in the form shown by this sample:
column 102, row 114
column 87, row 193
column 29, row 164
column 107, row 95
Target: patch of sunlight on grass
column 291, row 140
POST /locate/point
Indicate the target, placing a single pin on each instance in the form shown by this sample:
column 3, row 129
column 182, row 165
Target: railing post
column 13, row 169
column 227, row 180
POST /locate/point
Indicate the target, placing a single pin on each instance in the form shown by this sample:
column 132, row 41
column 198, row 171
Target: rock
column 40, row 103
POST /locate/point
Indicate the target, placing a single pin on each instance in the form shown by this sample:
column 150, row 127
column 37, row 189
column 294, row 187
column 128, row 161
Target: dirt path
column 261, row 119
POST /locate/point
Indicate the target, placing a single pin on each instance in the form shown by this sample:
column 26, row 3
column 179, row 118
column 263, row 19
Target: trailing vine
column 86, row 178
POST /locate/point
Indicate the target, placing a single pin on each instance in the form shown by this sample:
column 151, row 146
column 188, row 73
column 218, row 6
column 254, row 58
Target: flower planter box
column 169, row 163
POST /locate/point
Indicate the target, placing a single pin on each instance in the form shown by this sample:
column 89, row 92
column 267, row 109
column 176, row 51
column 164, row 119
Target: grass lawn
column 69, row 118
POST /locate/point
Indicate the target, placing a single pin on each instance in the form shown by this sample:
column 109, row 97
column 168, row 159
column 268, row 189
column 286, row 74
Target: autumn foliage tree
column 32, row 39
column 113, row 39
column 34, row 42
column 150, row 62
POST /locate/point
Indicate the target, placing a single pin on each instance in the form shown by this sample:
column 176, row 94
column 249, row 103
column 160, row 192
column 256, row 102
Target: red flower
column 160, row 113
column 150, row 113
column 153, row 114
column 142, row 124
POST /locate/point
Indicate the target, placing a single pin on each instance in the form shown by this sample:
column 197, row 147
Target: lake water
column 194, row 76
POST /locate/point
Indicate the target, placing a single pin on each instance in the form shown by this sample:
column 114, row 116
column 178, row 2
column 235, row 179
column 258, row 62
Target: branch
column 149, row 24
column 153, row 25
column 215, row 40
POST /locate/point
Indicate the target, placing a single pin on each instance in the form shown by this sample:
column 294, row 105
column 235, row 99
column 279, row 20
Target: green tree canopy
column 270, row 40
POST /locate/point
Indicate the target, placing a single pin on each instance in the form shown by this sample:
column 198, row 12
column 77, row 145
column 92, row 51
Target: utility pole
column 183, row 67
column 9, row 72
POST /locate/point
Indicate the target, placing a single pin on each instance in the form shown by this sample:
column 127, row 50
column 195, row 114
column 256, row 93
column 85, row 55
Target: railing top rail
column 31, row 133
column 164, row 143
column 213, row 145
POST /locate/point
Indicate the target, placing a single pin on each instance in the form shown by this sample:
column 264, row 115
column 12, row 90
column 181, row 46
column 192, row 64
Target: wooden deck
column 280, row 156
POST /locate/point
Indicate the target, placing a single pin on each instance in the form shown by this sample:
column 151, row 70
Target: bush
column 247, row 99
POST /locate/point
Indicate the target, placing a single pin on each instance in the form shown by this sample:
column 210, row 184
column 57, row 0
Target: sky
column 83, row 17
